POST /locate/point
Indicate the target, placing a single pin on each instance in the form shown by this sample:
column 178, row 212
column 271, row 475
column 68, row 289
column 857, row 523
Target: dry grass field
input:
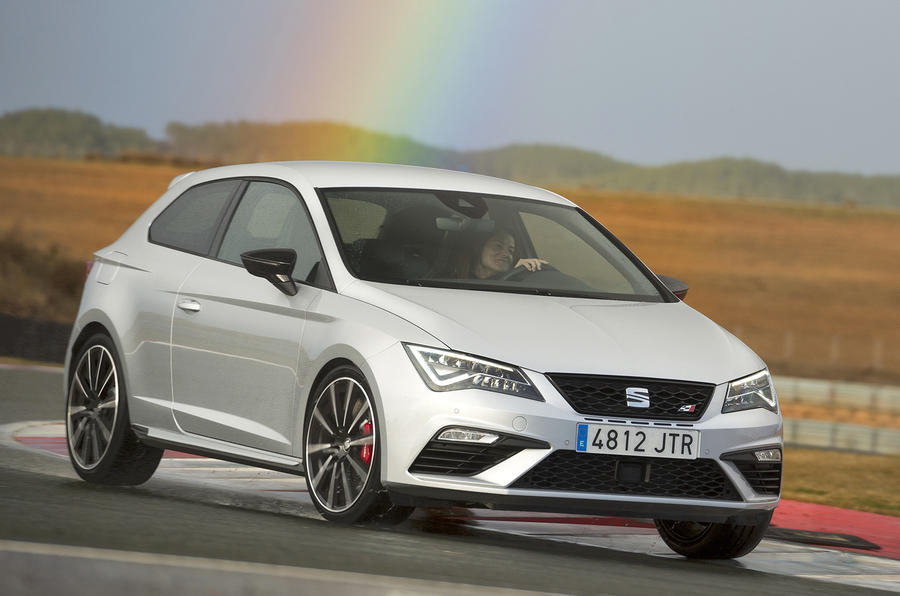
column 814, row 290
column 78, row 205
column 851, row 480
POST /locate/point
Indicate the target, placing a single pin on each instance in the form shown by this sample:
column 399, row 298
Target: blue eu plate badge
column 581, row 442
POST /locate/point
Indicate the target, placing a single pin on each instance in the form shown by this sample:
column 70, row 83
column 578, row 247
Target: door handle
column 188, row 305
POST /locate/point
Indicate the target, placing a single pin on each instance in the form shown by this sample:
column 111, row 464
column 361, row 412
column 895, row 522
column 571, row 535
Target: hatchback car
column 406, row 336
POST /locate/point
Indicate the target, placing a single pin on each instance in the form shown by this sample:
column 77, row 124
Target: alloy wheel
column 340, row 444
column 92, row 406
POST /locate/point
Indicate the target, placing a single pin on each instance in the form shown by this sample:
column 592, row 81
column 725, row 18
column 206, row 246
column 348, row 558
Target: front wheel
column 341, row 452
column 708, row 540
column 102, row 447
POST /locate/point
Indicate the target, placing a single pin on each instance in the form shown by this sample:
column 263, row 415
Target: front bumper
column 423, row 496
column 413, row 414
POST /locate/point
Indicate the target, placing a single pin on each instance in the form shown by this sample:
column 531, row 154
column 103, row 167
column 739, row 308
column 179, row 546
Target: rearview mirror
column 676, row 286
column 464, row 224
column 273, row 264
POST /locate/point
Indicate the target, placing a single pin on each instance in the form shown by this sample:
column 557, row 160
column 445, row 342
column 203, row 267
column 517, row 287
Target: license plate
column 645, row 442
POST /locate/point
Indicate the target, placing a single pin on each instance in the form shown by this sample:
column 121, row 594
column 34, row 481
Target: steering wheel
column 522, row 269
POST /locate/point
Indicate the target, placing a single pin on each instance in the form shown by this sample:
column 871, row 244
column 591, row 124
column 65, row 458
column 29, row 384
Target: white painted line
column 8, row 434
column 361, row 582
column 886, row 578
column 43, row 429
column 879, row 582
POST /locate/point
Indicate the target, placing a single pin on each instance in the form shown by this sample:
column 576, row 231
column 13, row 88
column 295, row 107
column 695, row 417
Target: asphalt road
column 43, row 501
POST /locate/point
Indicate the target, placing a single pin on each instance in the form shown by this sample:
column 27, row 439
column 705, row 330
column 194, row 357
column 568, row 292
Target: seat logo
column 637, row 397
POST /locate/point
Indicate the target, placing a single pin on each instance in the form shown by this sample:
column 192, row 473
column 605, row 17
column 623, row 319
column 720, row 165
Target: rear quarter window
column 190, row 222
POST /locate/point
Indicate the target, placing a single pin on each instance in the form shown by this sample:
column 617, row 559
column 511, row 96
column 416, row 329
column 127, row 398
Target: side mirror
column 676, row 286
column 273, row 264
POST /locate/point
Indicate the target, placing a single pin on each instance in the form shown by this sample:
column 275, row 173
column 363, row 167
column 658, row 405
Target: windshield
column 484, row 242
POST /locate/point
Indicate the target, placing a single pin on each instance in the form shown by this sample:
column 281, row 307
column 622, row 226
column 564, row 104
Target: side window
column 272, row 216
column 571, row 255
column 189, row 223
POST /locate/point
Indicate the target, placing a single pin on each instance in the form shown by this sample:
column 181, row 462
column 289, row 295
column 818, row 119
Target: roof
column 336, row 174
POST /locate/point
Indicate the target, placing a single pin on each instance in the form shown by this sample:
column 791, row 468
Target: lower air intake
column 763, row 477
column 586, row 472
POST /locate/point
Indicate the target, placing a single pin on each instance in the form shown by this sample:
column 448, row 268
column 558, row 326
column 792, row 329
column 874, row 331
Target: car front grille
column 586, row 472
column 763, row 477
column 606, row 396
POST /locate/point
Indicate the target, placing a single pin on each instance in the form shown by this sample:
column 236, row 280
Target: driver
column 494, row 257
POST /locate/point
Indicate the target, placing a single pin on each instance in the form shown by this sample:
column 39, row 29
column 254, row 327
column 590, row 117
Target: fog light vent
column 760, row 467
column 465, row 451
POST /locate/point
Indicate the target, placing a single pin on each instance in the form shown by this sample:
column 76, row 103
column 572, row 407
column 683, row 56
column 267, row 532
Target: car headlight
column 449, row 371
column 755, row 391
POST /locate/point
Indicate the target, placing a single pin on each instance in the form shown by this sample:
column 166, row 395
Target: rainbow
column 413, row 68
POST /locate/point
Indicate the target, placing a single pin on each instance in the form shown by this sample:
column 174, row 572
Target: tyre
column 102, row 447
column 707, row 540
column 341, row 452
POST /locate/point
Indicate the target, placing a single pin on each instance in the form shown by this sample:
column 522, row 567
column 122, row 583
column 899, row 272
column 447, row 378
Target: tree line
column 61, row 133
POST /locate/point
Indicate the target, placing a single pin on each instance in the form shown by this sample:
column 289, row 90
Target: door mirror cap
column 273, row 264
column 676, row 286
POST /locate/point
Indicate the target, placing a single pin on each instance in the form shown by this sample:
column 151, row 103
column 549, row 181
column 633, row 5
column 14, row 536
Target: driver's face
column 497, row 254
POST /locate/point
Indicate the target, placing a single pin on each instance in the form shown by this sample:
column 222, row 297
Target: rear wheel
column 102, row 447
column 341, row 454
column 708, row 540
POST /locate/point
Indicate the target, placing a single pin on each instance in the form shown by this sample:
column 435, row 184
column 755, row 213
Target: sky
column 806, row 84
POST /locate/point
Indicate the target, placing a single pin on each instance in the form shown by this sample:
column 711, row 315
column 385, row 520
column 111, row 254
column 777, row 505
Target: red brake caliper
column 366, row 453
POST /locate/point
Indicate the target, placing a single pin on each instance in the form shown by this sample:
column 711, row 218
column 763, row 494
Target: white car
column 407, row 336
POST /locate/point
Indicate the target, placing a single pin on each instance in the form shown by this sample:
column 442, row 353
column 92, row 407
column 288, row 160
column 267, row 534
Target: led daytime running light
column 443, row 370
column 768, row 455
column 465, row 435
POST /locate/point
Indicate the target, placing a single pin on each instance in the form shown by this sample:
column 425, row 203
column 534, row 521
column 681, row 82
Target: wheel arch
column 359, row 363
column 90, row 324
column 323, row 371
column 90, row 329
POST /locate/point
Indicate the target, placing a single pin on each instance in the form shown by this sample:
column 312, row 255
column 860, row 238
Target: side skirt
column 220, row 450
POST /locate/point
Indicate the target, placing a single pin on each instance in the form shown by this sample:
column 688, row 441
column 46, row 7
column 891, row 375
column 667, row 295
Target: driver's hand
column 532, row 264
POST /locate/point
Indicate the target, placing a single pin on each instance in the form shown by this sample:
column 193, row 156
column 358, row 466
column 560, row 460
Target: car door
column 179, row 238
column 235, row 337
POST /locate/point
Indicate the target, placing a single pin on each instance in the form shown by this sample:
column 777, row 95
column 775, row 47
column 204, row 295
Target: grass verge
column 840, row 479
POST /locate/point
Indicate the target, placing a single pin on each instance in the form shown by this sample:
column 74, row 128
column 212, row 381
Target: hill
column 74, row 134
column 751, row 178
